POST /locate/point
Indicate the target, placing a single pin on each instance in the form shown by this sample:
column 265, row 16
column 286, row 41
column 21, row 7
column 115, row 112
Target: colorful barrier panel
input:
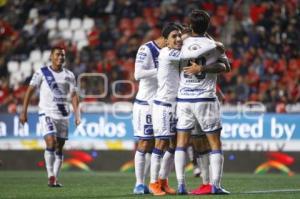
column 101, row 131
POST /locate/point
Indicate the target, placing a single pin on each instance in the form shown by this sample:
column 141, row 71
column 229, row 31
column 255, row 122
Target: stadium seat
column 88, row 23
column 67, row 34
column 35, row 55
column 50, row 24
column 51, row 34
column 12, row 66
column 82, row 43
column 63, row 24
column 33, row 13
column 79, row 35
column 26, row 68
column 37, row 65
column 46, row 55
column 15, row 78
column 75, row 24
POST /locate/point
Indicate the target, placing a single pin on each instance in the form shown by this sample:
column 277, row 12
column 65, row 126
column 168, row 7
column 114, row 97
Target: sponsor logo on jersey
column 148, row 129
column 191, row 91
column 194, row 47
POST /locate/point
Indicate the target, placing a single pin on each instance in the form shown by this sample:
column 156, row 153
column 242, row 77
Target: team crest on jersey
column 194, row 47
column 68, row 79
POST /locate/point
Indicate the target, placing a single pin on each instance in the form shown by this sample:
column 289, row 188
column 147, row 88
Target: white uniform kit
column 197, row 98
column 145, row 71
column 164, row 107
column 53, row 107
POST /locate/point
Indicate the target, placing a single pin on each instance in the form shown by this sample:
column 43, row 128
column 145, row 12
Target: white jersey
column 203, row 85
column 54, row 88
column 146, row 63
column 168, row 75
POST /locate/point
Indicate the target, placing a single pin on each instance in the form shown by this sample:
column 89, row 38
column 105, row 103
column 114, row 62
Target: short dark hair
column 56, row 48
column 186, row 29
column 199, row 20
column 169, row 28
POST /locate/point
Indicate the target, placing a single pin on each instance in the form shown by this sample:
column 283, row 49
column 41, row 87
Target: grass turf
column 92, row 185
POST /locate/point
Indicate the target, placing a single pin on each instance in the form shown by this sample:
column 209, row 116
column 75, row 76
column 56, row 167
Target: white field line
column 271, row 191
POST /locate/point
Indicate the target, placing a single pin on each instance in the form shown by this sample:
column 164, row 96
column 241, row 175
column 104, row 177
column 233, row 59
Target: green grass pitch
column 94, row 185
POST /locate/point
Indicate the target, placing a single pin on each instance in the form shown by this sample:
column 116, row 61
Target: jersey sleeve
column 224, row 59
column 36, row 79
column 73, row 86
column 142, row 64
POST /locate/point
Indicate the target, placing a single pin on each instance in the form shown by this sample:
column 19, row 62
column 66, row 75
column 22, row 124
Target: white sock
column 216, row 159
column 57, row 164
column 155, row 164
column 179, row 159
column 203, row 163
column 166, row 165
column 147, row 165
column 139, row 166
column 49, row 161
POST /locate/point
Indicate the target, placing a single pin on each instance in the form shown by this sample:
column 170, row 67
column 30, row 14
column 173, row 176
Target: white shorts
column 58, row 127
column 207, row 113
column 164, row 120
column 142, row 120
column 197, row 131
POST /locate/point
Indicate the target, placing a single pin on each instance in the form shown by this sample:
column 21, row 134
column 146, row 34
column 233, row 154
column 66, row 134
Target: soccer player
column 164, row 105
column 197, row 101
column 55, row 83
column 146, row 64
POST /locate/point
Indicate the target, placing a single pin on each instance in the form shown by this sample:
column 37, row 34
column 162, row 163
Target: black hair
column 199, row 20
column 186, row 29
column 56, row 48
column 169, row 28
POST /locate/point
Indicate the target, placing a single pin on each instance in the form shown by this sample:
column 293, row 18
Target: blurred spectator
column 262, row 39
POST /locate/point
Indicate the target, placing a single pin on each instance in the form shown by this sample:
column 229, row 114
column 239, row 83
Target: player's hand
column 77, row 121
column 23, row 118
column 220, row 47
column 193, row 69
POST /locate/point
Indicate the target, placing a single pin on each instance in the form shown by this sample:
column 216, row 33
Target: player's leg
column 156, row 159
column 202, row 147
column 166, row 167
column 59, row 158
column 61, row 137
column 144, row 146
column 192, row 156
column 211, row 115
column 148, row 163
column 162, row 125
column 143, row 130
column 49, row 156
column 49, row 133
column 185, row 124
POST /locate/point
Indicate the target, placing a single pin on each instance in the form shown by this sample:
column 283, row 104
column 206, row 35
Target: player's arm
column 143, row 57
column 76, row 108
column 28, row 94
column 222, row 65
column 217, row 67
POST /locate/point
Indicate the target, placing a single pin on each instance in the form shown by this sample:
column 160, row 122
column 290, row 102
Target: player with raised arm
column 197, row 101
column 55, row 84
column 146, row 64
column 164, row 122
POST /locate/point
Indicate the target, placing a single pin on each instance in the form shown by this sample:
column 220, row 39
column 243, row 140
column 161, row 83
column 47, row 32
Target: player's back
column 168, row 74
column 203, row 51
column 147, row 60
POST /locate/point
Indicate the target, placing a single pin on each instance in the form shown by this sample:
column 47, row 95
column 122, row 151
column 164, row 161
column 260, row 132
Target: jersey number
column 199, row 60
